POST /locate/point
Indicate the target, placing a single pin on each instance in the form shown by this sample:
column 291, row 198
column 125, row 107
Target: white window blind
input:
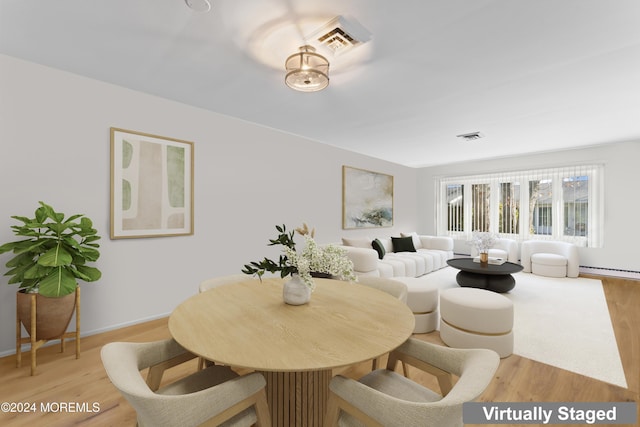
column 564, row 203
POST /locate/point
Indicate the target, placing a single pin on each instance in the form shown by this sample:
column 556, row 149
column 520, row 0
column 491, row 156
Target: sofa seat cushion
column 548, row 259
column 385, row 269
column 398, row 266
column 429, row 260
column 420, row 261
column 409, row 263
column 549, row 265
column 439, row 257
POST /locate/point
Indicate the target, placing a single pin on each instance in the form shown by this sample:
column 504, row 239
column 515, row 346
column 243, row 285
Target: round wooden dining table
column 247, row 325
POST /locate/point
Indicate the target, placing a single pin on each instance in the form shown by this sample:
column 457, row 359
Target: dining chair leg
column 262, row 410
column 332, row 412
column 204, row 363
column 405, row 369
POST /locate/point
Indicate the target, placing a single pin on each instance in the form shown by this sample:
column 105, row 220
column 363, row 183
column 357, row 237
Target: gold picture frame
column 151, row 185
column 367, row 199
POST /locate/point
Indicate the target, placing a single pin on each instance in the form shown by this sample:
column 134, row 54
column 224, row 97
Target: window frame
column 594, row 207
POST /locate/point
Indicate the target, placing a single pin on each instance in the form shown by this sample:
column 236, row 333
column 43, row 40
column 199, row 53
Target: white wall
column 54, row 131
column 622, row 203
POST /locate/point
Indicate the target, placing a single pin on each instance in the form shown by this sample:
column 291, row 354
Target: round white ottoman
column 422, row 299
column 476, row 318
column 550, row 265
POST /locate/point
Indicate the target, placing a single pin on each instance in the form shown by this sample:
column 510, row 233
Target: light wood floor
column 61, row 378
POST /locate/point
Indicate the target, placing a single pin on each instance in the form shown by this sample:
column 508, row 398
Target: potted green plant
column 52, row 253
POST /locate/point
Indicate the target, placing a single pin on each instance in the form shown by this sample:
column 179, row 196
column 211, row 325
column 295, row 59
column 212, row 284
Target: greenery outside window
column 556, row 204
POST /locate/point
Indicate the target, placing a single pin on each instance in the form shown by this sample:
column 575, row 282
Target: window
column 509, row 214
column 559, row 204
column 540, row 203
column 455, row 208
column 575, row 198
column 480, row 207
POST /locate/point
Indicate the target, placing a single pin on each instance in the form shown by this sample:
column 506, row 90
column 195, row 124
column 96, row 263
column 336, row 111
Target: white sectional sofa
column 409, row 255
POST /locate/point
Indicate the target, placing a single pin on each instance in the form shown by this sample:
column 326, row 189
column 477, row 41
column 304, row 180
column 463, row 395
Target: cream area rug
column 561, row 322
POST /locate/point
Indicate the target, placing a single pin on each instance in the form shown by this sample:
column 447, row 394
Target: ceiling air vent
column 470, row 136
column 339, row 35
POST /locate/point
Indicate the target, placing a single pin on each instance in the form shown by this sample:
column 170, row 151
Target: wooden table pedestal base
column 297, row 398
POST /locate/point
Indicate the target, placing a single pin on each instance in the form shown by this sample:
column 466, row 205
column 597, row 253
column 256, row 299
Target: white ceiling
column 531, row 75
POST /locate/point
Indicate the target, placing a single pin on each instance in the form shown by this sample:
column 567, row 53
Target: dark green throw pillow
column 379, row 247
column 403, row 244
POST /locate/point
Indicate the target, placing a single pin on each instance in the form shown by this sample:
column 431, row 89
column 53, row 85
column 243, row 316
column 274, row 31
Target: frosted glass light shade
column 307, row 71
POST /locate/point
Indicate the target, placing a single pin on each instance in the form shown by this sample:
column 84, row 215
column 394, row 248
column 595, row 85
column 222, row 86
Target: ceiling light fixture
column 199, row 5
column 307, row 71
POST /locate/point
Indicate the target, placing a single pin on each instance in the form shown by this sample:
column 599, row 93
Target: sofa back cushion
column 403, row 244
column 357, row 242
column 379, row 247
column 417, row 243
column 365, row 261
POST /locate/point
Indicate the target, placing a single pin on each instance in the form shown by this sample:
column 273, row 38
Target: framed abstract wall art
column 367, row 199
column 151, row 185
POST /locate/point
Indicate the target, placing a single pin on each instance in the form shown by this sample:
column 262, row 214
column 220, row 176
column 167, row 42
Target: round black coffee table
column 492, row 277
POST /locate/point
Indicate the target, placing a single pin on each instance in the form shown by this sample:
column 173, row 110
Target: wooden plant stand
column 36, row 344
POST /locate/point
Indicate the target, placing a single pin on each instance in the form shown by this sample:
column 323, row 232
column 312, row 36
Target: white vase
column 295, row 291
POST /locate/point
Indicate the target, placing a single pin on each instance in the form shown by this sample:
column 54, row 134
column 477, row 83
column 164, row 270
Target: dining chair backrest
column 215, row 394
column 222, row 280
column 392, row 287
column 385, row 398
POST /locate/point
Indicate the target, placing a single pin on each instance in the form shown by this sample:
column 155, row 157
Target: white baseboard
column 600, row 271
column 25, row 347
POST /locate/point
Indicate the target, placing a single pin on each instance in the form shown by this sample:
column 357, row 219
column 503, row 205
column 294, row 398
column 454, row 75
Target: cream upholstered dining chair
column 385, row 398
column 214, row 395
column 392, row 287
column 222, row 280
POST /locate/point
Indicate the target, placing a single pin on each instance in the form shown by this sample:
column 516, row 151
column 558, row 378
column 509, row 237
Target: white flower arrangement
column 482, row 241
column 329, row 259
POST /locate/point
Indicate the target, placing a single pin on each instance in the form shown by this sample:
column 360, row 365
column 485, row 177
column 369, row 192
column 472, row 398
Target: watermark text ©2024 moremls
column 47, row 407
